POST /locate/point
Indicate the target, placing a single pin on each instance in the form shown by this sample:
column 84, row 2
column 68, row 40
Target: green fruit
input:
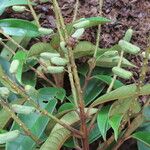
column 45, row 31
column 9, row 136
column 59, row 61
column 25, row 110
column 122, row 73
column 128, row 47
column 19, row 8
column 4, row 92
column 78, row 33
column 14, row 66
column 47, row 55
column 55, row 69
column 81, row 24
column 63, row 46
column 128, row 35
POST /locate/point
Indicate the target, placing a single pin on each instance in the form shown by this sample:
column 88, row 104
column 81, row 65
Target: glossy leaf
column 114, row 122
column 107, row 79
column 19, row 27
column 93, row 21
column 8, row 3
column 38, row 48
column 62, row 133
column 121, row 93
column 29, row 78
column 110, row 62
column 102, row 121
column 66, row 106
column 35, row 122
column 117, row 111
column 21, row 56
column 142, row 136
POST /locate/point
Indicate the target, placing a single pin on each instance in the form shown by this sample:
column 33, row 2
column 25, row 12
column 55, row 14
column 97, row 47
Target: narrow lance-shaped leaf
column 121, row 93
column 61, row 133
column 142, row 136
column 19, row 27
column 102, row 121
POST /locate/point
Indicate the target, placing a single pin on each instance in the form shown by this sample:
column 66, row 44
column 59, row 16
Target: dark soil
column 124, row 14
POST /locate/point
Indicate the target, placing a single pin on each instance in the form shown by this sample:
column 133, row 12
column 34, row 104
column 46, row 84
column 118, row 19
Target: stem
column 115, row 76
column 76, row 78
column 75, row 10
column 18, row 121
column 34, row 14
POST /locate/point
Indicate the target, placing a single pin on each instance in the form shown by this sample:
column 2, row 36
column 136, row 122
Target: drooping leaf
column 85, row 48
column 121, row 93
column 114, row 122
column 38, row 48
column 29, row 78
column 66, row 106
column 5, row 53
column 21, row 56
column 35, row 122
column 110, row 62
column 102, row 121
column 145, row 127
column 19, row 27
column 62, row 133
column 8, row 3
column 93, row 21
column 142, row 136
column 107, row 79
column 117, row 111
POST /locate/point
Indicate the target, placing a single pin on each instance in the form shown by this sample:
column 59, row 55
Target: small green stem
column 115, row 76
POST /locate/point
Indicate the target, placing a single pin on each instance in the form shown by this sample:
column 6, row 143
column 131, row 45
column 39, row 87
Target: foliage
column 64, row 94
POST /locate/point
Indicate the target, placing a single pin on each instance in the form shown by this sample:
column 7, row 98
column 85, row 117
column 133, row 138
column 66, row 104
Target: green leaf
column 107, row 79
column 8, row 3
column 110, row 62
column 117, row 111
column 19, row 27
column 61, row 133
column 85, row 48
column 93, row 89
column 142, row 136
column 114, row 122
column 66, row 106
column 121, row 93
column 35, row 122
column 102, row 121
column 21, row 56
column 29, row 78
column 93, row 21
column 38, row 48
column 145, row 127
column 5, row 53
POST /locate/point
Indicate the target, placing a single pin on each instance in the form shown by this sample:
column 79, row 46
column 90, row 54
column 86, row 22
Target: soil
column 124, row 14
